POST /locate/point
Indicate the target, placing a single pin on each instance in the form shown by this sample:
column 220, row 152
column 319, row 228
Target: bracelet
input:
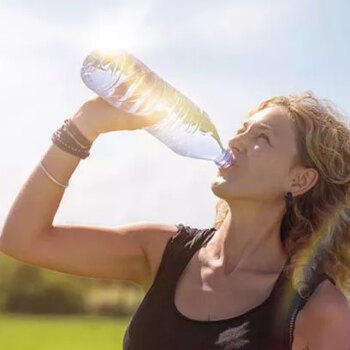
column 70, row 139
column 64, row 141
column 77, row 134
column 74, row 138
column 41, row 165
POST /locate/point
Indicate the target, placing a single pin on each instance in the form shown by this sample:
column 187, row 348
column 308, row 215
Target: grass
column 38, row 332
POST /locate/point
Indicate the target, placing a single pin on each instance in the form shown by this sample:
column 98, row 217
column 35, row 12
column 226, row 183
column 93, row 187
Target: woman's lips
column 225, row 170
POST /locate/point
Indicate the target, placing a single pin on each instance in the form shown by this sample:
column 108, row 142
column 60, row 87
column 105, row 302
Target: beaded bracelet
column 63, row 140
column 72, row 128
column 69, row 138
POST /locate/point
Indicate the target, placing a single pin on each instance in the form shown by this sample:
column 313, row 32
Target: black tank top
column 158, row 325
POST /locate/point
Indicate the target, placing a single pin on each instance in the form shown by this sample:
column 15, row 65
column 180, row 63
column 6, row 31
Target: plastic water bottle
column 128, row 84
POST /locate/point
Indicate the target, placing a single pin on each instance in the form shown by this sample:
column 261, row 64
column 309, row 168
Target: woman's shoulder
column 176, row 239
column 188, row 236
column 327, row 309
column 326, row 295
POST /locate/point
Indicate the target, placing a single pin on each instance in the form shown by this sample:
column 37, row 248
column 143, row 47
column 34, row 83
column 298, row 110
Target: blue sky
column 224, row 55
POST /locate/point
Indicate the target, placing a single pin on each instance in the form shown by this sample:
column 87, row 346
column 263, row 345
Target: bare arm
column 36, row 204
column 102, row 252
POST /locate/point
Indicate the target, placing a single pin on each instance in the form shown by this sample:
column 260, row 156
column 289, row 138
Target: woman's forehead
column 278, row 120
column 274, row 117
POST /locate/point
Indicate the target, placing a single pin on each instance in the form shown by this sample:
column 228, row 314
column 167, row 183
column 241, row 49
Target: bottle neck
column 225, row 159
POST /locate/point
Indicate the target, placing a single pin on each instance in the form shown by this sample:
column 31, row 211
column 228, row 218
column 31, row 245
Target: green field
column 37, row 332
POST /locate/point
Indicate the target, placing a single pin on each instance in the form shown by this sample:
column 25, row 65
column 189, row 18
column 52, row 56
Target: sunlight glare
column 123, row 32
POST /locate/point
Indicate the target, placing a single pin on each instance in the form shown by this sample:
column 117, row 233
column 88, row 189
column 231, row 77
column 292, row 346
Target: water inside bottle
column 128, row 84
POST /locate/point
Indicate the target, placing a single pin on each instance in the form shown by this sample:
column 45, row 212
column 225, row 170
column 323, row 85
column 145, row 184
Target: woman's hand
column 96, row 116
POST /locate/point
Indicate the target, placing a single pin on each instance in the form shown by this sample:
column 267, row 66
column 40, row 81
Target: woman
column 279, row 245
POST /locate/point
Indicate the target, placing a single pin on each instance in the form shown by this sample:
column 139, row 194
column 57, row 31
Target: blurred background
column 224, row 55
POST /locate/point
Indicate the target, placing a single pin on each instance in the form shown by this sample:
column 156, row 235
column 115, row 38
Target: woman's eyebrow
column 261, row 126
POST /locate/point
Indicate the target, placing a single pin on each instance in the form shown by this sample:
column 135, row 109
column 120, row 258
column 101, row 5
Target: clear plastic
column 128, row 84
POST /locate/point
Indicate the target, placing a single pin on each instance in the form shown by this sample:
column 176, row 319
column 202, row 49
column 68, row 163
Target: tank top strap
column 299, row 301
column 178, row 251
column 188, row 238
column 317, row 279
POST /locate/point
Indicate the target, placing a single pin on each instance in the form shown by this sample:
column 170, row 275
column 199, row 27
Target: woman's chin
column 220, row 178
column 218, row 181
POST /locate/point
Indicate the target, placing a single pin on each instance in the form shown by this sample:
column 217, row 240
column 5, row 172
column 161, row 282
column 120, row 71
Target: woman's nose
column 235, row 144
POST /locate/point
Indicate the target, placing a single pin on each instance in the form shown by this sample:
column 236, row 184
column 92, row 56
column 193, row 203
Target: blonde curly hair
column 315, row 231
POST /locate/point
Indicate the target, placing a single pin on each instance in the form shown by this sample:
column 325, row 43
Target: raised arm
column 122, row 252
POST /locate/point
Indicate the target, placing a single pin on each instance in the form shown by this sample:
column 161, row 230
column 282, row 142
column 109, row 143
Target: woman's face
column 263, row 158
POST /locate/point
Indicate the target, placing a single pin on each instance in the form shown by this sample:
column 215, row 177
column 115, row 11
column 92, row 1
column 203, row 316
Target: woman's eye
column 261, row 134
column 265, row 136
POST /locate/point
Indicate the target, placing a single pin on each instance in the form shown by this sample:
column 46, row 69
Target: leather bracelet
column 67, row 148
column 70, row 141
column 73, row 129
column 64, row 136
